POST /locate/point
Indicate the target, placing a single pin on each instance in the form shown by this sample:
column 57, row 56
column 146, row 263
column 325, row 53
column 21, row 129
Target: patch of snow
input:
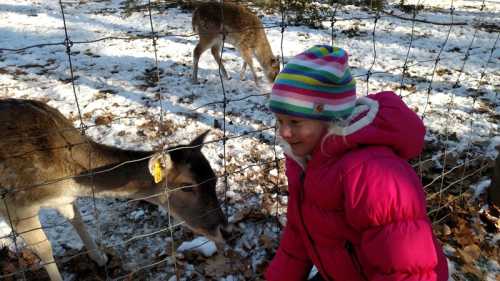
column 312, row 273
column 199, row 244
column 480, row 187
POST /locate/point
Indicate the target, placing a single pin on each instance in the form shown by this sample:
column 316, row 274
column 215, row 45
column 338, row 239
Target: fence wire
column 276, row 162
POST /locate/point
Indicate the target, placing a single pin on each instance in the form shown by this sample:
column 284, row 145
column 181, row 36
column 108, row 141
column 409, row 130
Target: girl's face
column 301, row 134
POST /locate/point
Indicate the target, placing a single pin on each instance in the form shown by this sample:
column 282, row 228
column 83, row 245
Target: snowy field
column 452, row 80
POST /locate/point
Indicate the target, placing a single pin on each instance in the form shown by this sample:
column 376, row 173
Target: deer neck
column 118, row 173
column 263, row 52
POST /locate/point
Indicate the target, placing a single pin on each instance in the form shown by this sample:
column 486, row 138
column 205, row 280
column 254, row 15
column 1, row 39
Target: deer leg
column 246, row 54
column 31, row 231
column 216, row 54
column 243, row 69
column 200, row 48
column 73, row 215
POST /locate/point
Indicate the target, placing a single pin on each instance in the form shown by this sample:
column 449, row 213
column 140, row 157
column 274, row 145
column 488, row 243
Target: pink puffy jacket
column 357, row 209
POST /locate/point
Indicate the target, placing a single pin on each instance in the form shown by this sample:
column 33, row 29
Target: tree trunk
column 494, row 189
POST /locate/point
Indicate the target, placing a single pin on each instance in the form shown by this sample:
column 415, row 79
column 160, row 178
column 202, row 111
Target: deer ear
column 197, row 143
column 182, row 153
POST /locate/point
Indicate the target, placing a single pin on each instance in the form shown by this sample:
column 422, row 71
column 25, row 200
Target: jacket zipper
column 354, row 257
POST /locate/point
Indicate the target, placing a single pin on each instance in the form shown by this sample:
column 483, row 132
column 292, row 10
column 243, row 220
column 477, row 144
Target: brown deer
column 44, row 163
column 240, row 28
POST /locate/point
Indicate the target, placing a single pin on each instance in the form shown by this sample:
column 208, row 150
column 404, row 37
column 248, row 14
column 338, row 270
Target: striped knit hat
column 316, row 84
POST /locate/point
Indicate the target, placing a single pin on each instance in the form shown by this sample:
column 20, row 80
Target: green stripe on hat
column 332, row 89
column 309, row 111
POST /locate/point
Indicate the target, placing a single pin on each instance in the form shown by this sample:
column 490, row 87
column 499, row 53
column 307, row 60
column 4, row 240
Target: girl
column 356, row 208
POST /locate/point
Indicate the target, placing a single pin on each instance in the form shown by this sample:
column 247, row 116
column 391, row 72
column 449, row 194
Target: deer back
column 37, row 144
column 240, row 25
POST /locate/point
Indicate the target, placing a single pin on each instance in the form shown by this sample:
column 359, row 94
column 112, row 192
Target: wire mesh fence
column 445, row 170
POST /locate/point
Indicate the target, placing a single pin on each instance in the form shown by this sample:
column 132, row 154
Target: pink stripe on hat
column 310, row 56
column 314, row 99
column 333, row 64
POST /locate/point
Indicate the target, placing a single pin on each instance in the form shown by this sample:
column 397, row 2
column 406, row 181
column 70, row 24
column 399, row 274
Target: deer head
column 189, row 183
column 272, row 68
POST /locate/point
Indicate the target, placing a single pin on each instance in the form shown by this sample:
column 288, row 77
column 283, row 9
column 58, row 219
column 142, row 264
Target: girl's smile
column 301, row 134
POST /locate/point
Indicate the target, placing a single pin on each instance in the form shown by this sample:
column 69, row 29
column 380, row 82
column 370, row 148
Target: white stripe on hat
column 307, row 104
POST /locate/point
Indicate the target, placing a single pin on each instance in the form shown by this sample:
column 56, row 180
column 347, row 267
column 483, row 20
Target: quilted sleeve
column 290, row 262
column 386, row 203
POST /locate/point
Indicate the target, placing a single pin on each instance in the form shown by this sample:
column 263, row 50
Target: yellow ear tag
column 157, row 172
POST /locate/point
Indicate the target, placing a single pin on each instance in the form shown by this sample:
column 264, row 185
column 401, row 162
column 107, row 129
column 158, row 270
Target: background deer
column 241, row 28
column 39, row 145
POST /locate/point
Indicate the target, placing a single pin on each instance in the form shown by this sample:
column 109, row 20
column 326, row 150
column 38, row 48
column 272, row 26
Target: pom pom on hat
column 316, row 84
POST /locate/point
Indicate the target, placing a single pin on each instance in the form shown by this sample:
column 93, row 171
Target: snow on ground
column 200, row 244
column 456, row 95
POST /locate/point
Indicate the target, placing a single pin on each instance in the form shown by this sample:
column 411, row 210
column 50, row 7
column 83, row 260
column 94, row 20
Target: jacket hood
column 378, row 119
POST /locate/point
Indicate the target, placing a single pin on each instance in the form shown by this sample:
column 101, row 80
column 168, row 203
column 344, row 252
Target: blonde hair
column 344, row 127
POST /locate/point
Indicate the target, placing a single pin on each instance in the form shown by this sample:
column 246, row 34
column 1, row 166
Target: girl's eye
column 295, row 122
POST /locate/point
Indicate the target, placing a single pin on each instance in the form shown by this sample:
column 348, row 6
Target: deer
column 238, row 26
column 45, row 162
